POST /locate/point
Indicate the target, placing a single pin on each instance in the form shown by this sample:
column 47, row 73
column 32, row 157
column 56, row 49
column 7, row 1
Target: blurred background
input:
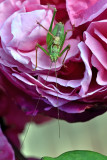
column 43, row 140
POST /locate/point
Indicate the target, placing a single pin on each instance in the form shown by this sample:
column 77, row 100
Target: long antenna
column 35, row 109
column 57, row 102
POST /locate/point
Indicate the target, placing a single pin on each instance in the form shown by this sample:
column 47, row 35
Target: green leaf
column 78, row 155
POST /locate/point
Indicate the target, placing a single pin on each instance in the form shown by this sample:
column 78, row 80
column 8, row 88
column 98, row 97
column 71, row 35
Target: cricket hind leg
column 54, row 13
column 48, row 38
column 65, row 36
column 67, row 48
column 57, row 102
column 36, row 47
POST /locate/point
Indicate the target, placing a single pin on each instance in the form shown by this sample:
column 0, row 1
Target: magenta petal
column 6, row 151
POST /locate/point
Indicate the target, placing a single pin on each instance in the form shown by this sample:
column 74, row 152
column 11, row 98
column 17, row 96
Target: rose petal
column 6, row 151
column 83, row 11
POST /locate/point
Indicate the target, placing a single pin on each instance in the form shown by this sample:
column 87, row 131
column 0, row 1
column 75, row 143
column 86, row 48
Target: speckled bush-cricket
column 55, row 40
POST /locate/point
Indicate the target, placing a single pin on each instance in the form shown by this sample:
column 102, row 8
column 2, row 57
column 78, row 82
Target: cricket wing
column 59, row 31
column 49, row 39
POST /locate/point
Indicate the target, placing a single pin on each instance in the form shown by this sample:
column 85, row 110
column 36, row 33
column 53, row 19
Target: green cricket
column 55, row 40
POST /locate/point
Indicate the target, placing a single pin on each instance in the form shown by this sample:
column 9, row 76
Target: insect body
column 55, row 40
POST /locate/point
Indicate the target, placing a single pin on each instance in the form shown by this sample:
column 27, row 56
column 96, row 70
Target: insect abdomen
column 54, row 54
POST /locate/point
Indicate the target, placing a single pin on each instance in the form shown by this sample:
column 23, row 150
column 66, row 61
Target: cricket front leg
column 67, row 48
column 36, row 47
column 73, row 26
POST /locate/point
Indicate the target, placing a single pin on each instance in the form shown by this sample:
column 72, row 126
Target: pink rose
column 80, row 88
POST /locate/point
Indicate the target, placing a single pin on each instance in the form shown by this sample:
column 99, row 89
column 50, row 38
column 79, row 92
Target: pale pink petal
column 96, row 47
column 7, row 8
column 82, row 11
column 6, row 151
column 86, row 57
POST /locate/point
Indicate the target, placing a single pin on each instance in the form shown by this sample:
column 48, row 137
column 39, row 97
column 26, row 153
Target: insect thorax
column 56, row 41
